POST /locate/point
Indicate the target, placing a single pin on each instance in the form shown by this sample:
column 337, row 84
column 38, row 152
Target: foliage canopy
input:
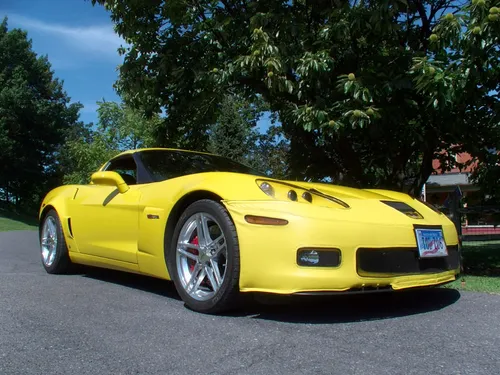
column 119, row 128
column 35, row 115
column 367, row 92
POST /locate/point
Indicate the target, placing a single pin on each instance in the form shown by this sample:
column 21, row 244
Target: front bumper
column 268, row 254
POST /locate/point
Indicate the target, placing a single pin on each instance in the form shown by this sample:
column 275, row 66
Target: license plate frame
column 431, row 243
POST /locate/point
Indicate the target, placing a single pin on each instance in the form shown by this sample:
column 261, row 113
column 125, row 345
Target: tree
column 234, row 136
column 35, row 114
column 125, row 128
column 119, row 128
column 273, row 153
column 462, row 81
column 346, row 79
column 84, row 155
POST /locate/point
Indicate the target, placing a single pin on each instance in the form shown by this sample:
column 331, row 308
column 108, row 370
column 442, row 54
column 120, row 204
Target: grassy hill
column 12, row 220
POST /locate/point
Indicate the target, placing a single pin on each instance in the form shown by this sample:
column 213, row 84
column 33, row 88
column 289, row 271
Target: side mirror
column 110, row 179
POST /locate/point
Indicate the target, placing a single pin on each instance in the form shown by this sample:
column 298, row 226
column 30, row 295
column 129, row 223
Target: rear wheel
column 55, row 258
column 204, row 261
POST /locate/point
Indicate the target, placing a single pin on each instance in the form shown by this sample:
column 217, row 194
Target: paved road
column 102, row 322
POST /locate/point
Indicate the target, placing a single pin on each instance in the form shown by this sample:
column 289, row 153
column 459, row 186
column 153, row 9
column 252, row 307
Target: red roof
column 460, row 158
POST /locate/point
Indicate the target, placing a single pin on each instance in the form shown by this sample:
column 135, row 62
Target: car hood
column 344, row 192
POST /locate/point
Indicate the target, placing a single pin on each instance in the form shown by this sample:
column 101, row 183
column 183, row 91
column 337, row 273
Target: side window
column 125, row 167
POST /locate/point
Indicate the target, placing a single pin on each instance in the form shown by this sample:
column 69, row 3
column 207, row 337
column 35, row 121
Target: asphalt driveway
column 103, row 322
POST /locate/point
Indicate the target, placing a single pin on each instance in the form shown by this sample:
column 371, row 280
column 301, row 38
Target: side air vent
column 404, row 208
column 70, row 228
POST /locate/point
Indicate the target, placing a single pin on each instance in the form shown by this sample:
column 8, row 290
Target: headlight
column 267, row 188
column 292, row 195
column 279, row 190
column 285, row 191
column 307, row 196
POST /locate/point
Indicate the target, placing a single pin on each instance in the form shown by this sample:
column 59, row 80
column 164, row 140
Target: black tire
column 227, row 296
column 61, row 263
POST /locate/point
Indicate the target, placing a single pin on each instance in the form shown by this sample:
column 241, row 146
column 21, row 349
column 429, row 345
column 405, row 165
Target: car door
column 105, row 222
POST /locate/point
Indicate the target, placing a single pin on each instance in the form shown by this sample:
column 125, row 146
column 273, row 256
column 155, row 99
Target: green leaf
column 347, row 86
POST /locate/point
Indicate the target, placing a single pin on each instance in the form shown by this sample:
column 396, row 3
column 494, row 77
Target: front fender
column 60, row 199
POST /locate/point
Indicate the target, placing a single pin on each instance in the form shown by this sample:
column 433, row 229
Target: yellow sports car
column 217, row 229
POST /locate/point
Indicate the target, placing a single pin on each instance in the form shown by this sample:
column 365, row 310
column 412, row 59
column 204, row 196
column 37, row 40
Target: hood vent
column 330, row 198
column 404, row 208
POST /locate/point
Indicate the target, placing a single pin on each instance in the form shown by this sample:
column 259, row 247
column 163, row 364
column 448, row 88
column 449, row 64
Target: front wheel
column 55, row 258
column 204, row 259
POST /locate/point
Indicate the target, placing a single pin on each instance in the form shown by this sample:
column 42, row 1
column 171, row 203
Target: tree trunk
column 425, row 171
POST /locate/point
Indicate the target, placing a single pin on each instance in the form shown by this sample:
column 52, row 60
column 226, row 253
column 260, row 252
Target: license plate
column 431, row 243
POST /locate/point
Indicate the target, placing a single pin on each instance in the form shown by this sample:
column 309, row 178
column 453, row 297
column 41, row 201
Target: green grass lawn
column 487, row 284
column 10, row 220
column 481, row 259
column 7, row 224
column 481, row 267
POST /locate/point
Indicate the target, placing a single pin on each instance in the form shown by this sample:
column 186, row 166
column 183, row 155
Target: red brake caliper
column 192, row 263
column 193, row 251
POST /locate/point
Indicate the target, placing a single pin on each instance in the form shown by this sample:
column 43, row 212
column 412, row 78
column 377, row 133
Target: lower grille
column 403, row 261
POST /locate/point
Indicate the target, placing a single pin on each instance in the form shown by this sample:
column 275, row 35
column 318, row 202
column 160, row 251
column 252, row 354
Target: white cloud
column 100, row 41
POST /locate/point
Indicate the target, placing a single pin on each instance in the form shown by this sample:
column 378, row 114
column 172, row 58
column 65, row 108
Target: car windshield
column 167, row 164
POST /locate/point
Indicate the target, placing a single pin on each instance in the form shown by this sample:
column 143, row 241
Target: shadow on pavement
column 304, row 309
column 144, row 283
column 353, row 308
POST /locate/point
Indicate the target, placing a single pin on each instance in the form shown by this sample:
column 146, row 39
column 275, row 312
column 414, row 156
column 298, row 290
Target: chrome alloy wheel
column 201, row 256
column 49, row 241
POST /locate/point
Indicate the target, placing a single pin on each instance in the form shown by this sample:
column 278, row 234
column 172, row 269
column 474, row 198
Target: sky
column 81, row 45
column 80, row 42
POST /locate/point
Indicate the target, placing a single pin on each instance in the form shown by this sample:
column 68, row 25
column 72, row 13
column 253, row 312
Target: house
column 442, row 183
column 477, row 222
